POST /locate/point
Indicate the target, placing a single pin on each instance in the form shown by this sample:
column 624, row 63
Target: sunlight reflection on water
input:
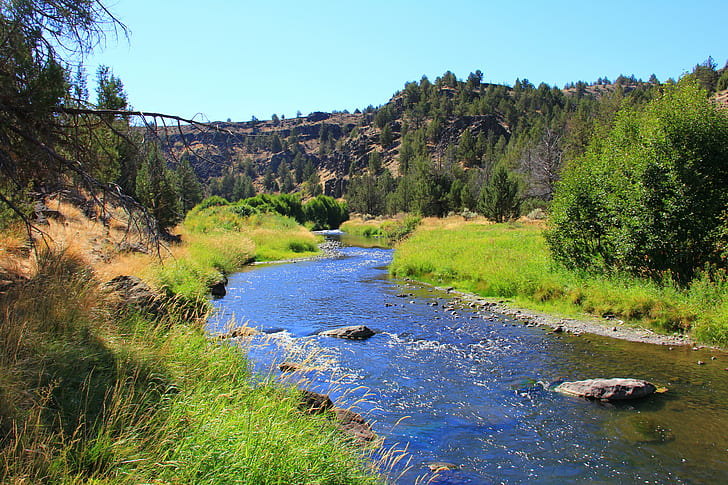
column 475, row 390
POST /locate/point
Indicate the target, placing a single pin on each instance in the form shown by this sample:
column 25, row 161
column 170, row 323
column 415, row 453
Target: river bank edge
column 606, row 327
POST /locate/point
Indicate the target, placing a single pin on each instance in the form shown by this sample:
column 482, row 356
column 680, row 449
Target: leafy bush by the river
column 325, row 212
column 513, row 261
column 321, row 212
column 650, row 199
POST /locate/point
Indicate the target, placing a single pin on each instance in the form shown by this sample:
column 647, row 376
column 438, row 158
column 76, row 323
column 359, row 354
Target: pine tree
column 109, row 90
column 156, row 190
column 499, row 197
column 189, row 187
column 285, row 178
column 386, row 137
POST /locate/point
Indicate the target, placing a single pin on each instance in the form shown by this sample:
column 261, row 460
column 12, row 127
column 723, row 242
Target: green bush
column 284, row 204
column 649, row 199
column 325, row 212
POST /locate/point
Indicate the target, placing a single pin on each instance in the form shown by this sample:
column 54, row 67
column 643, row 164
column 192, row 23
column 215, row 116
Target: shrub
column 325, row 212
column 649, row 199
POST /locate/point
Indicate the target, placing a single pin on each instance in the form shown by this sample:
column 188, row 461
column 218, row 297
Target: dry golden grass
column 94, row 243
column 451, row 222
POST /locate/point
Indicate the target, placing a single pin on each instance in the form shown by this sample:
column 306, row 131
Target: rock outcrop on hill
column 337, row 145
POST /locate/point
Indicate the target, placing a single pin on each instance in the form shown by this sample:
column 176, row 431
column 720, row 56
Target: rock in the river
column 439, row 466
column 354, row 424
column 353, row 332
column 290, row 367
column 348, row 421
column 243, row 331
column 615, row 389
column 314, row 402
column 218, row 289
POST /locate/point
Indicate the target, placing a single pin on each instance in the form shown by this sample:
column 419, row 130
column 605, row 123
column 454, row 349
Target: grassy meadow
column 511, row 261
column 94, row 393
column 389, row 230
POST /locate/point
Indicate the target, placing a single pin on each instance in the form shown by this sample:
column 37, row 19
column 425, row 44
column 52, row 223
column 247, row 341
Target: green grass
column 363, row 228
column 512, row 261
column 220, row 242
column 92, row 394
column 391, row 230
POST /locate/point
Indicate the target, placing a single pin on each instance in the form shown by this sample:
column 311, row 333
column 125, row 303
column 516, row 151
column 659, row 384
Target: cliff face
column 337, row 145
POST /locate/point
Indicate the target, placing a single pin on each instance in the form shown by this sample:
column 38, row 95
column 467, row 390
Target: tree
column 722, row 81
column 189, row 187
column 156, row 190
column 466, row 148
column 650, row 199
column 386, row 137
column 499, row 197
column 276, row 145
column 313, row 185
column 39, row 148
column 706, row 74
column 109, row 90
column 542, row 165
column 474, row 80
column 285, row 178
column 242, row 188
column 363, row 195
column 269, row 181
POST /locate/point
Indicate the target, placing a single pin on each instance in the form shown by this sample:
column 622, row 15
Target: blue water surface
column 461, row 385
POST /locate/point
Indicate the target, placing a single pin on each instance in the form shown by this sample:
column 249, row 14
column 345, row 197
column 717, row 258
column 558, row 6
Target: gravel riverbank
column 608, row 327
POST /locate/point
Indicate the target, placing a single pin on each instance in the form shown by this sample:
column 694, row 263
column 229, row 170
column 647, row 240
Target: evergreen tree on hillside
column 189, row 187
column 156, row 189
column 499, row 197
column 285, row 178
column 386, row 137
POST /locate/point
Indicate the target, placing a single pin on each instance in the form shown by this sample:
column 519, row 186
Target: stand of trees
column 543, row 129
column 53, row 138
column 651, row 197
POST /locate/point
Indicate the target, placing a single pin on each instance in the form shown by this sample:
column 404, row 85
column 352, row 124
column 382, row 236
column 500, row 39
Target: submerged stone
column 439, row 466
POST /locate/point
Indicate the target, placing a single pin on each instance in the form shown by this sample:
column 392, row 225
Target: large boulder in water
column 218, row 289
column 616, row 389
column 353, row 332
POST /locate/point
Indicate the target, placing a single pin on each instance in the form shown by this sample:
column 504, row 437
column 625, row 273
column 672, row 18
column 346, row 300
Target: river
column 469, row 387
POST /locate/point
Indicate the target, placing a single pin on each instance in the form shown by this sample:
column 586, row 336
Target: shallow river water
column 470, row 388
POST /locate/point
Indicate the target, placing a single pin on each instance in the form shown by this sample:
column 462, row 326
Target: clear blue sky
column 237, row 59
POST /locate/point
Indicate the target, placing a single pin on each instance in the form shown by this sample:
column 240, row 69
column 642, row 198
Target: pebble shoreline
column 612, row 328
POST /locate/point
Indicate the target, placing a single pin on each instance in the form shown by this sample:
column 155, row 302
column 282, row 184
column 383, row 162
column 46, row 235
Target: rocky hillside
column 451, row 122
column 337, row 145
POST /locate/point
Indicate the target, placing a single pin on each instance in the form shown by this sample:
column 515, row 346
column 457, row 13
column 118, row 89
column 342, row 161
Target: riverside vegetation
column 91, row 393
column 94, row 393
column 512, row 261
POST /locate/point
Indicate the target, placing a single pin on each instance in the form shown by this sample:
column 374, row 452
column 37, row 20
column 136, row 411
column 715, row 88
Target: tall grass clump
column 359, row 227
column 95, row 393
column 218, row 241
column 512, row 261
